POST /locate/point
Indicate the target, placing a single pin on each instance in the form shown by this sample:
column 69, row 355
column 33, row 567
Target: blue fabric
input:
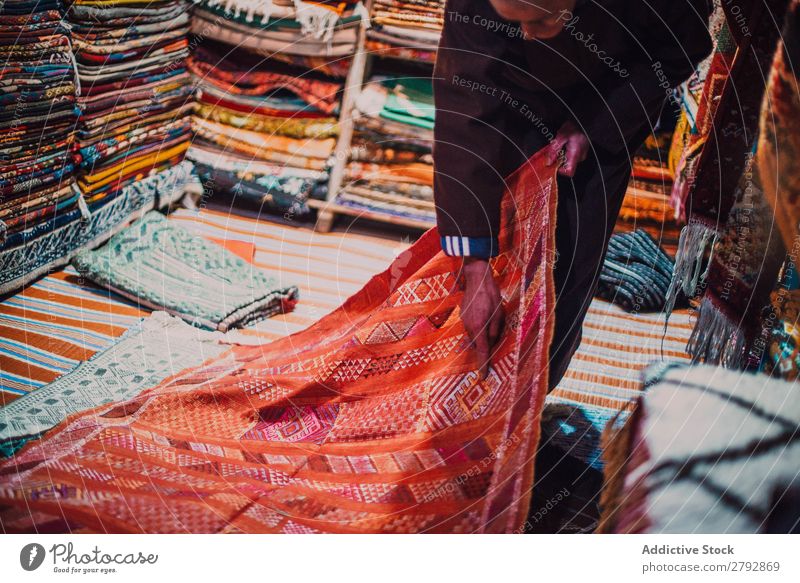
column 481, row 247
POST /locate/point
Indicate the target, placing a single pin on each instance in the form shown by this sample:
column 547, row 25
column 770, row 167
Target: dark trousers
column 588, row 205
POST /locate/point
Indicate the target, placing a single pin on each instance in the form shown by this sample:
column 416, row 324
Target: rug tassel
column 716, row 339
column 686, row 276
column 318, row 21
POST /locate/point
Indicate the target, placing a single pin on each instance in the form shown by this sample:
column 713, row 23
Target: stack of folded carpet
column 408, row 29
column 321, row 28
column 636, row 272
column 647, row 197
column 136, row 94
column 264, row 130
column 391, row 166
column 37, row 117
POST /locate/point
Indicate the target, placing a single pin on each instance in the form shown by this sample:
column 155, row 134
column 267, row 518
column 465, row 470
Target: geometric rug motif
column 152, row 350
column 327, row 430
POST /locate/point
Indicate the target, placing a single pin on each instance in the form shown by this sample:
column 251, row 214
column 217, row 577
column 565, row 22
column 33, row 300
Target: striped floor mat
column 59, row 321
column 52, row 325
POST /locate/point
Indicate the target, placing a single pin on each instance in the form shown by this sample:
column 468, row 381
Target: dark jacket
column 500, row 97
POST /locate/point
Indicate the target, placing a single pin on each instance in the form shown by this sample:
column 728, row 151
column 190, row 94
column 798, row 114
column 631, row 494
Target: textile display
column 38, row 112
column 727, row 125
column 391, row 166
column 50, row 326
column 777, row 163
column 52, row 244
column 647, row 197
column 408, row 29
column 708, row 450
column 136, row 93
column 735, row 322
column 636, row 272
column 368, row 421
column 264, row 130
column 742, row 271
column 54, row 324
column 163, row 266
column 294, row 27
column 155, row 348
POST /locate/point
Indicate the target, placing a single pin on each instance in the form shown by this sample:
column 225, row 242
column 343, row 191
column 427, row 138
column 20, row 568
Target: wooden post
column 352, row 86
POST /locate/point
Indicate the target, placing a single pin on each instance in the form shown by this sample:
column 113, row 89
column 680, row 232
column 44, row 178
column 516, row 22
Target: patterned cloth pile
column 162, row 266
column 647, row 197
column 374, row 419
column 408, row 29
column 135, row 90
column 636, row 272
column 150, row 351
column 323, row 28
column 37, row 118
column 391, row 166
column 264, row 130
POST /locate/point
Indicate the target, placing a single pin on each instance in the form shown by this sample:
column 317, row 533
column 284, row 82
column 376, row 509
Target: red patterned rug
column 371, row 420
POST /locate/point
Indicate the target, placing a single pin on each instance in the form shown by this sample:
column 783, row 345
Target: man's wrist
column 476, row 269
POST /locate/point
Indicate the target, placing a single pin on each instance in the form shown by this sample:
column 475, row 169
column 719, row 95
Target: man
column 586, row 76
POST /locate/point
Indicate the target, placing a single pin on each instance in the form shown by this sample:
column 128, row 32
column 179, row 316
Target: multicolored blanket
column 373, row 419
column 152, row 350
column 163, row 266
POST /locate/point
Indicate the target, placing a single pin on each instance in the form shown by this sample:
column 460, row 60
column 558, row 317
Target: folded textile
column 708, row 450
column 390, row 169
column 42, row 247
column 410, row 25
column 270, row 192
column 291, row 40
column 636, row 272
column 387, row 385
column 38, row 113
column 162, row 266
column 130, row 61
column 305, row 28
column 156, row 348
column 256, row 114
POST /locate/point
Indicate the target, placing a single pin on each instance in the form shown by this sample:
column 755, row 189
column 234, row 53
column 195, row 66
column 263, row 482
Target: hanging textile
column 743, row 269
column 778, row 161
column 374, row 419
column 727, row 121
column 733, row 326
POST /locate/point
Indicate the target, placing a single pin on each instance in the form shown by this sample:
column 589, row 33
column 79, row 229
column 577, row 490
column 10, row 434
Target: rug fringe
column 686, row 276
column 716, row 339
column 318, row 21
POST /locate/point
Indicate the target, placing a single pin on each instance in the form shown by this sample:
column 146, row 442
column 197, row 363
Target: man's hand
column 481, row 310
column 577, row 148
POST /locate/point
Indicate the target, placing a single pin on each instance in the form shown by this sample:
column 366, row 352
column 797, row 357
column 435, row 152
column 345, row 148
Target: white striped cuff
column 483, row 247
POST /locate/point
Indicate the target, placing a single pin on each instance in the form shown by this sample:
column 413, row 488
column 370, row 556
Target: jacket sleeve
column 672, row 38
column 476, row 143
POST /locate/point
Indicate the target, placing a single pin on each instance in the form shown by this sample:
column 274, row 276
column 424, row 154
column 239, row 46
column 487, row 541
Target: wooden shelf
column 328, row 209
